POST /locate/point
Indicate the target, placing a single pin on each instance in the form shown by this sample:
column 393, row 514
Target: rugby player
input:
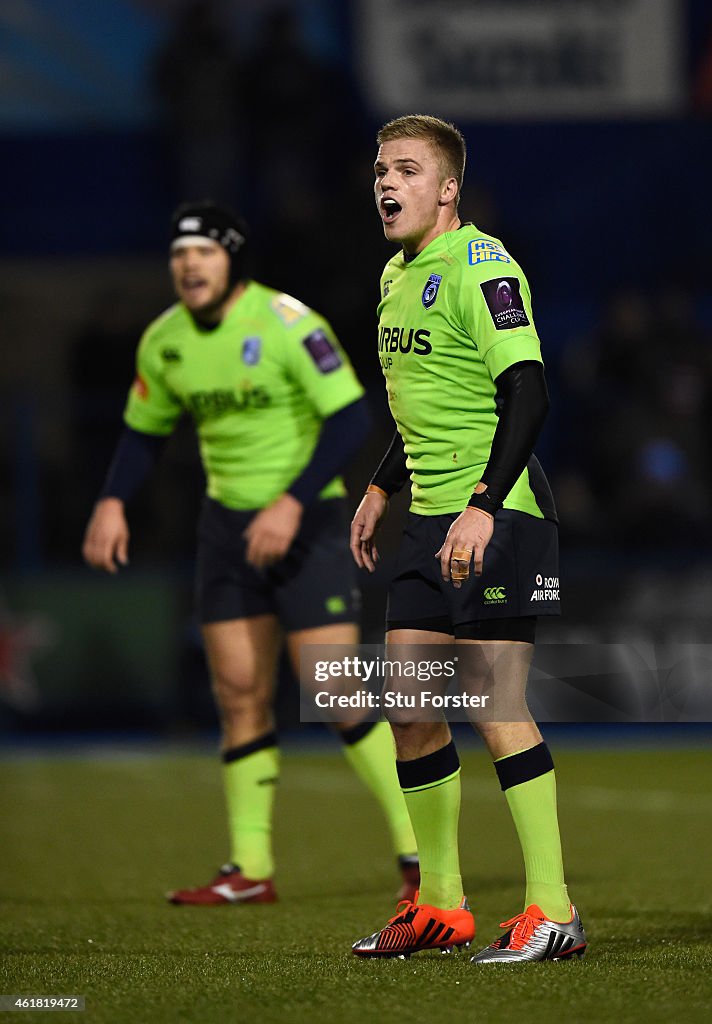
column 466, row 388
column 279, row 412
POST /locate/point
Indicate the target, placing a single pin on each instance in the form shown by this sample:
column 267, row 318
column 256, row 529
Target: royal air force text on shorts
column 546, row 589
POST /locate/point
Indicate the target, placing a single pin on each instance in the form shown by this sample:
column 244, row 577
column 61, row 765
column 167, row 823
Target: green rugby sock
column 529, row 782
column 431, row 786
column 370, row 751
column 250, row 774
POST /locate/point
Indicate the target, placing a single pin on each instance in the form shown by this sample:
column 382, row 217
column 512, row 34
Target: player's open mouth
column 193, row 285
column 389, row 210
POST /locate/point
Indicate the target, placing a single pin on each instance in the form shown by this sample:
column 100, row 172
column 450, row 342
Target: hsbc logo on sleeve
column 484, row 250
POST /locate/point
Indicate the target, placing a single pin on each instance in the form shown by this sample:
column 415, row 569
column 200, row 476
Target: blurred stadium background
column 590, row 153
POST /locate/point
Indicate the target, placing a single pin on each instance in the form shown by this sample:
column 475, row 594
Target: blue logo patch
column 430, row 292
column 251, row 351
column 483, row 250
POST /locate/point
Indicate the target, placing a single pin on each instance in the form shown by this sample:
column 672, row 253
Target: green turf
column 89, row 846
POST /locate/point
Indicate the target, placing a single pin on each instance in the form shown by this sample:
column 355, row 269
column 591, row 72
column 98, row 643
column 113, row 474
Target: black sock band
column 355, row 733
column 428, row 770
column 525, row 766
column 261, row 743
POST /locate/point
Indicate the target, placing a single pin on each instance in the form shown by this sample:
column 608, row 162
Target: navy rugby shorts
column 314, row 585
column 519, row 581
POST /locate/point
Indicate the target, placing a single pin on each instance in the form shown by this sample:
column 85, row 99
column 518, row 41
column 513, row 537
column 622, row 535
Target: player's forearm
column 341, row 437
column 392, row 473
column 135, row 456
column 523, row 402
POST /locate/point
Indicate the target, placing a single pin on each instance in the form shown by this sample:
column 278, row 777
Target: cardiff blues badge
column 251, row 351
column 430, row 292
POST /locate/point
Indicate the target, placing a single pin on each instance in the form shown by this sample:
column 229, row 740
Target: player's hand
column 270, row 534
column 466, row 541
column 106, row 540
column 364, row 525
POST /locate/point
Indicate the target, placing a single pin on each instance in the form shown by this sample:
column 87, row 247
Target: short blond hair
column 445, row 137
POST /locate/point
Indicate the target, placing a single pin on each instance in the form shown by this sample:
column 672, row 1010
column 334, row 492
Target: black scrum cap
column 206, row 219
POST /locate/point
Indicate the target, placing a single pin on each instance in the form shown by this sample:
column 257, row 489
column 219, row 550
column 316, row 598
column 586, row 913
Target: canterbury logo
column 495, row 594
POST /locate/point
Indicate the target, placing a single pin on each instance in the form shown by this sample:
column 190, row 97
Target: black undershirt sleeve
column 135, row 456
column 392, row 473
column 341, row 436
column 522, row 402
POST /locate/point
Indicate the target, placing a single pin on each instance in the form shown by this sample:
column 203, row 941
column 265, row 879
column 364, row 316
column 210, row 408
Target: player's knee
column 485, row 729
column 236, row 691
column 494, row 733
column 404, row 731
column 415, row 739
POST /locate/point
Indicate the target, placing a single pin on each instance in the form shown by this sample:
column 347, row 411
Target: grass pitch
column 91, row 843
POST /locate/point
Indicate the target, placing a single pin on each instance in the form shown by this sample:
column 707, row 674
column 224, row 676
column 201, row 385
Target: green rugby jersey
column 258, row 387
column 450, row 321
